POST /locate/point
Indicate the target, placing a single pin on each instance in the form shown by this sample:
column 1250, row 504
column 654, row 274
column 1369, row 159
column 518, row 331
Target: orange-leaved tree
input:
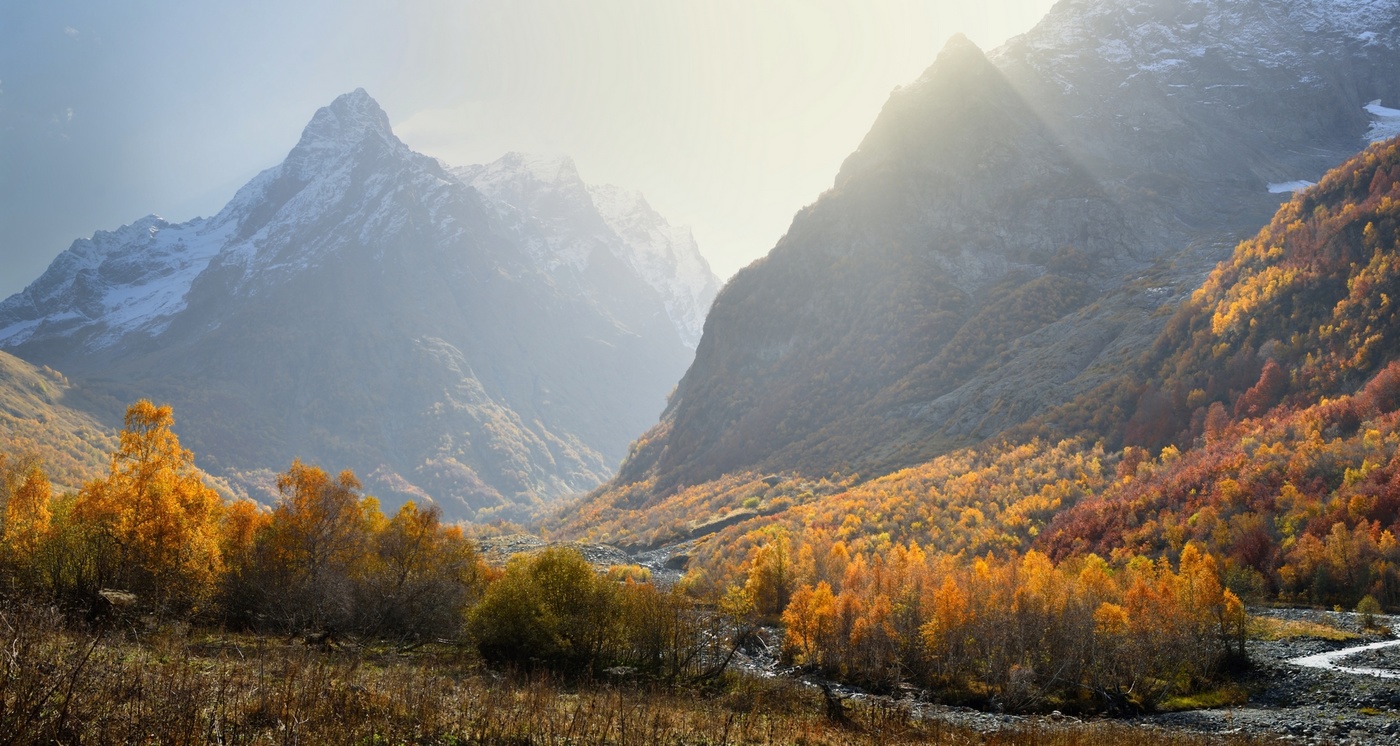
column 25, row 491
column 424, row 577
column 316, row 548
column 154, row 516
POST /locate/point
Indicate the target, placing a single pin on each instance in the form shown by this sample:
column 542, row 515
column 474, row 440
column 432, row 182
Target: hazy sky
column 728, row 114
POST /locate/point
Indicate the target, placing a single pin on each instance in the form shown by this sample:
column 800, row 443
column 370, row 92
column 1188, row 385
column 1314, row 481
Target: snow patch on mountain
column 665, row 256
column 133, row 279
column 1288, row 187
column 1385, row 122
column 547, row 201
column 348, row 167
column 1132, row 33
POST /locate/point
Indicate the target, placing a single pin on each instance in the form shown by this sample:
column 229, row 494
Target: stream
column 1329, row 661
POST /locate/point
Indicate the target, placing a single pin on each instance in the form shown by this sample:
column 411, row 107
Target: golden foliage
column 159, row 516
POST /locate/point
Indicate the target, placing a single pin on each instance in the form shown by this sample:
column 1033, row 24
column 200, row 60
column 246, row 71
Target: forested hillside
column 1254, row 442
column 1269, row 403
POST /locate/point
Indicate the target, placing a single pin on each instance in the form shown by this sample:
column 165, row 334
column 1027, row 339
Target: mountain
column 1013, row 232
column 1280, row 378
column 1269, row 405
column 359, row 306
column 566, row 224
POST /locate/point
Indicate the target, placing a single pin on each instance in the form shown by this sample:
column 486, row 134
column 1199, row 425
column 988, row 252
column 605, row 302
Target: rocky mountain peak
column 980, row 256
column 572, row 227
column 358, row 306
column 957, row 48
column 351, row 124
column 349, row 119
column 521, row 176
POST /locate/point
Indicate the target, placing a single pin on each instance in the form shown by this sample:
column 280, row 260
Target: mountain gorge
column 1075, row 399
column 1013, row 233
column 361, row 306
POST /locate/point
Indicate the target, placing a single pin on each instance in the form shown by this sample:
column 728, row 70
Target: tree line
column 324, row 561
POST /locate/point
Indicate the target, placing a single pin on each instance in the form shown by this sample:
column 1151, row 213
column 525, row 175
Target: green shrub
column 550, row 608
column 1368, row 608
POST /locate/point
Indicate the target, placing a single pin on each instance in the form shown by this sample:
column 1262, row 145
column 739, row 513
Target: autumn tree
column 424, row 577
column 771, row 578
column 1272, row 385
column 550, row 608
column 241, row 588
column 25, row 495
column 316, row 548
column 810, row 621
column 154, row 517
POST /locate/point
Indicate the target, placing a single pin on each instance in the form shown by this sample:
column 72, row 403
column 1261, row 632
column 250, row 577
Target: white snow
column 133, row 278
column 18, row 332
column 1286, row 187
column 1385, row 122
column 1133, row 37
column 174, row 258
column 136, row 279
column 665, row 256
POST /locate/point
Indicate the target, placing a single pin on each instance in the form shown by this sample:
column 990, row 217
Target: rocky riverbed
column 1287, row 702
column 1310, row 705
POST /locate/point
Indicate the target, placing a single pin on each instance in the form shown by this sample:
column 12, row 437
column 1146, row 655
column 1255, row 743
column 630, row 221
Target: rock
column 118, row 599
column 497, row 550
column 677, row 562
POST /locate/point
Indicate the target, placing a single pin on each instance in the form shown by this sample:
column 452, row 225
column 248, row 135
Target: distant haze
column 728, row 114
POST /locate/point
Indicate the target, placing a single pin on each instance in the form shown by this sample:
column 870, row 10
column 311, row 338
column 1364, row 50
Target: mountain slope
column 359, row 306
column 567, row 225
column 1287, row 470
column 1287, row 364
column 1006, row 234
column 1299, row 312
column 42, row 413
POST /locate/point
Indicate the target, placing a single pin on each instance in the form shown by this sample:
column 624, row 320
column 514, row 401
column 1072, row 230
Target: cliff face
column 1002, row 240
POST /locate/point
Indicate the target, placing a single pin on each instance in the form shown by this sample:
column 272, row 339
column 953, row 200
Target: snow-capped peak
column 348, row 185
column 514, row 175
column 352, row 122
column 349, row 119
column 666, row 256
column 1151, row 40
column 138, row 277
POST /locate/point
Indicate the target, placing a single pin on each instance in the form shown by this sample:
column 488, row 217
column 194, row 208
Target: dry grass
column 1229, row 695
column 1271, row 629
column 177, row 688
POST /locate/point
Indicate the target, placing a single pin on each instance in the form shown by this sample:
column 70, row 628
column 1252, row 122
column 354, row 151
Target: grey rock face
column 1004, row 234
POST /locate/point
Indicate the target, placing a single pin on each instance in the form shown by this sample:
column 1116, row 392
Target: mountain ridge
column 988, row 300
column 358, row 305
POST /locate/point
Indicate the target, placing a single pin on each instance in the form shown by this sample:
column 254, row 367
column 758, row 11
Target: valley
column 1069, row 413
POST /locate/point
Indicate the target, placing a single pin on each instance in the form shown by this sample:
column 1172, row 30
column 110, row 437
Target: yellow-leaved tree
column 154, row 519
column 25, row 513
column 425, row 575
column 317, row 548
